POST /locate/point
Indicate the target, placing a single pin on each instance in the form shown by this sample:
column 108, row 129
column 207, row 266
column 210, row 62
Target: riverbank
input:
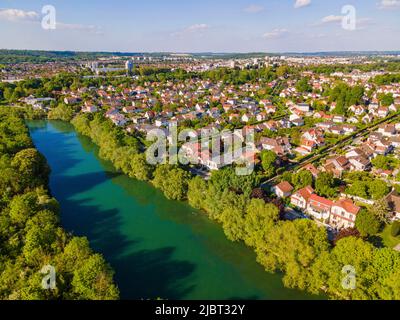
column 40, row 260
column 158, row 247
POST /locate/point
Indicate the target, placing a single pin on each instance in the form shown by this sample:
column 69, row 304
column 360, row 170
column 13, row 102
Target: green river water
column 157, row 247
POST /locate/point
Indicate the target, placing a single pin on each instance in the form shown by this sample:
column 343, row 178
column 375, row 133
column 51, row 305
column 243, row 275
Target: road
column 346, row 141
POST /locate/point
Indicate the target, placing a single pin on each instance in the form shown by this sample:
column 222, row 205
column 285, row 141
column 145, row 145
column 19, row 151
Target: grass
column 387, row 238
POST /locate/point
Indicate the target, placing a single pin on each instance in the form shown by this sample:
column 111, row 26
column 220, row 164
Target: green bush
column 396, row 228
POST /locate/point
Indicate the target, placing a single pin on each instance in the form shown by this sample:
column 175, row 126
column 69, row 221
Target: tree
column 395, row 229
column 347, row 271
column 381, row 210
column 140, row 168
column 282, row 71
column 378, row 189
column 233, row 216
column 367, row 223
column 22, row 207
column 93, row 280
column 32, row 167
column 381, row 162
column 260, row 217
column 197, row 192
column 268, row 161
column 172, row 181
column 302, row 179
column 293, row 247
column 386, row 99
column 62, row 112
column 303, row 85
column 325, row 185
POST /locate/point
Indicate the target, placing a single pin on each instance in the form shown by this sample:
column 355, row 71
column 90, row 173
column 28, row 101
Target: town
column 327, row 143
column 322, row 136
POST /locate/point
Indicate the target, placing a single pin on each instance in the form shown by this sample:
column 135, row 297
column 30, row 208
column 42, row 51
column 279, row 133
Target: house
column 357, row 110
column 299, row 122
column 246, row 117
column 270, row 109
column 319, row 207
column 89, row 109
column 139, row 120
column 304, row 107
column 71, row 100
column 322, row 115
column 327, row 125
column 393, row 201
column 281, row 146
column 359, row 163
column 338, row 130
column 337, row 166
column 368, row 118
column 119, row 120
column 130, row 109
column 338, row 119
column 300, row 198
column 161, row 122
column 349, row 129
column 387, row 130
column 111, row 112
column 283, row 189
column 262, row 116
column 343, row 214
column 373, row 107
column 382, row 112
column 352, row 120
column 312, row 169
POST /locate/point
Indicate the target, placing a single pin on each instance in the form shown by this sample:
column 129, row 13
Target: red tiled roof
column 285, row 187
column 348, row 205
column 320, row 201
column 306, row 192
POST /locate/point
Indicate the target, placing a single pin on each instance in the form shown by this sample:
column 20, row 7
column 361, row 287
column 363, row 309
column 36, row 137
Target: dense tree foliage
column 172, row 181
column 345, row 96
column 302, row 179
column 365, row 186
column 303, row 85
column 62, row 112
column 268, row 162
column 367, row 223
column 325, row 185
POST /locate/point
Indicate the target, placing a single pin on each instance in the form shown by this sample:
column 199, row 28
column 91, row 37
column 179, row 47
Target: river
column 157, row 247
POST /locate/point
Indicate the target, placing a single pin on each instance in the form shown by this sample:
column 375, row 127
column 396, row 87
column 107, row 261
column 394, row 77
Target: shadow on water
column 156, row 247
column 139, row 273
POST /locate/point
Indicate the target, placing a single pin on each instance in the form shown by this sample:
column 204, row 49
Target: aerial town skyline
column 242, row 26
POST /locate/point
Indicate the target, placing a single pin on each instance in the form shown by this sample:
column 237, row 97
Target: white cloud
column 197, row 27
column 275, row 34
column 79, row 27
column 361, row 23
column 254, row 8
column 192, row 30
column 331, row 19
column 302, row 3
column 18, row 15
column 389, row 4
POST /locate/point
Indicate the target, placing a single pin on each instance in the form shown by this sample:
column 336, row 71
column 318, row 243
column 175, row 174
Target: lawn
column 387, row 238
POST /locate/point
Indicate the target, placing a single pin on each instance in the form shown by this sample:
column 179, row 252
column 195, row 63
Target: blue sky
column 201, row 26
